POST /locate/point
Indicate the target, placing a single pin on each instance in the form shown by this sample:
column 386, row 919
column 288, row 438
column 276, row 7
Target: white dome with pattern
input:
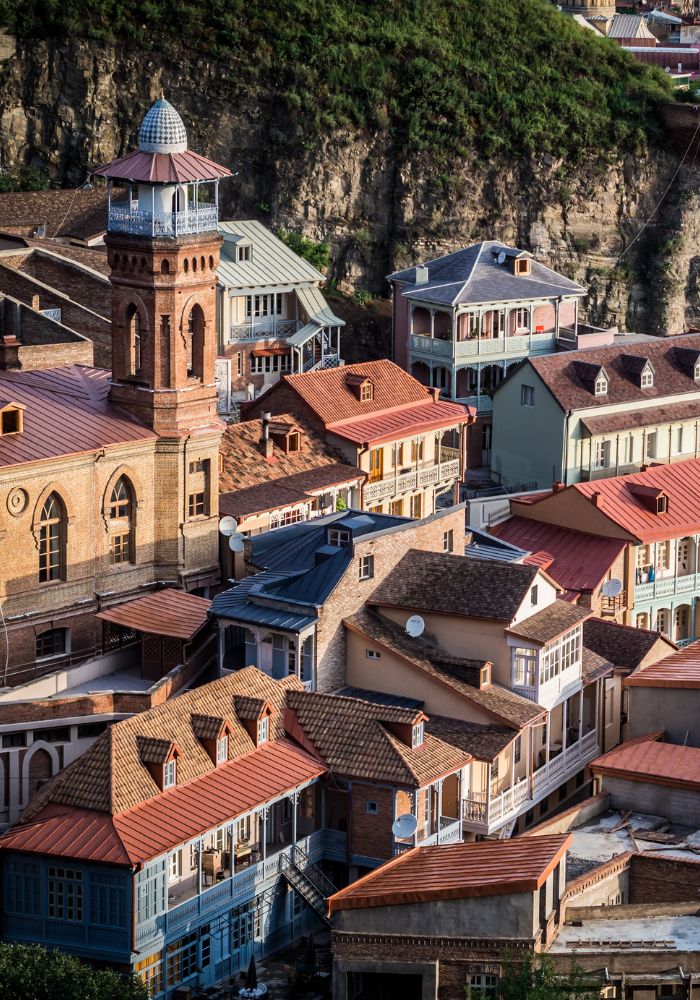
column 162, row 130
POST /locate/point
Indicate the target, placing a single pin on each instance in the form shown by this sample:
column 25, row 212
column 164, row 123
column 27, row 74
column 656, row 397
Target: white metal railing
column 684, row 583
column 199, row 218
column 393, row 484
column 431, row 345
column 482, row 404
column 535, row 343
column 256, row 329
column 450, row 832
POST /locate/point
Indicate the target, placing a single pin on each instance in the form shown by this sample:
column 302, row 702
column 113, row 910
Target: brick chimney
column 557, row 486
column 266, row 443
column 597, row 500
column 434, row 392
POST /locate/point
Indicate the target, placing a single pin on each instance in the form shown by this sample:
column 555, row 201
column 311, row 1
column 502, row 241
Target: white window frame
column 263, row 729
column 600, row 387
column 367, row 567
column 522, row 319
column 222, row 750
column 169, row 774
column 601, row 454
column 338, row 537
column 175, row 865
column 646, row 379
column 373, row 654
column 417, row 735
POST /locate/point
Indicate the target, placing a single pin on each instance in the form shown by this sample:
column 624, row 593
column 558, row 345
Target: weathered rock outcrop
column 66, row 106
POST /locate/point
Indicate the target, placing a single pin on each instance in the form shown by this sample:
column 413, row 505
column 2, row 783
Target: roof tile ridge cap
column 469, row 277
column 392, row 741
column 373, row 414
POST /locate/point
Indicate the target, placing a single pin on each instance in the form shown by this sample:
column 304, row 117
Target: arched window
column 133, row 347
column 165, row 267
column 52, row 540
column 195, row 343
column 121, row 522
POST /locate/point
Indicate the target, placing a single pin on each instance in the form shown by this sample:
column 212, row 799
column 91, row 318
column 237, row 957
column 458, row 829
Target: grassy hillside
column 507, row 77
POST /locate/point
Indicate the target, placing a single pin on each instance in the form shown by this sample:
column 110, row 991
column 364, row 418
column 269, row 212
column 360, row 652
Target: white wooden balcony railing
column 450, row 832
column 393, row 485
column 198, row 218
column 686, row 583
column 272, row 326
column 484, row 815
column 524, row 344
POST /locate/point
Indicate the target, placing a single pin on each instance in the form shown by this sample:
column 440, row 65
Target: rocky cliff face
column 64, row 107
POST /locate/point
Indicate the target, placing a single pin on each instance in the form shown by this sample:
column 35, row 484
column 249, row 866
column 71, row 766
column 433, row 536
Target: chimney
column 422, row 274
column 558, row 486
column 435, row 392
column 597, row 500
column 266, row 442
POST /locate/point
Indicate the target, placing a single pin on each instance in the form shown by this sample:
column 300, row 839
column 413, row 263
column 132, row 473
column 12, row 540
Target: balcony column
column 432, row 324
column 548, row 732
column 298, row 664
column 153, row 208
column 576, row 320
column 264, row 833
column 439, row 807
column 416, row 795
column 601, row 742
column 557, row 306
column 564, row 714
column 295, row 803
column 199, row 866
column 222, row 646
column 580, row 714
column 232, row 847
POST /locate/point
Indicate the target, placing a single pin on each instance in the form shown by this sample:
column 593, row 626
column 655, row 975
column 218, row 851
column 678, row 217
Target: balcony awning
column 270, row 352
column 317, row 309
column 306, row 333
column 170, row 612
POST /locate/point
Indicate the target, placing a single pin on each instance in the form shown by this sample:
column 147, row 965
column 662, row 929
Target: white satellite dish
column 611, row 588
column 501, row 258
column 227, row 525
column 405, row 826
column 236, row 543
column 415, row 626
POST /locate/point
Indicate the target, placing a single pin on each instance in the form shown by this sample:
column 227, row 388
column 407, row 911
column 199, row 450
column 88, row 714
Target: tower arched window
column 52, row 540
column 195, row 343
column 133, row 346
column 121, row 522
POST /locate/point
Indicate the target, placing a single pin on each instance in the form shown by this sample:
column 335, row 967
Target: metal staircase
column 308, row 880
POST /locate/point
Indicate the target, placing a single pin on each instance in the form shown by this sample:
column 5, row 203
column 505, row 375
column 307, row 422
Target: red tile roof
column 165, row 612
column 646, row 759
column 426, row 416
column 456, row 871
column 163, row 168
column 679, row 670
column 67, row 412
column 579, row 561
column 174, row 816
column 625, row 507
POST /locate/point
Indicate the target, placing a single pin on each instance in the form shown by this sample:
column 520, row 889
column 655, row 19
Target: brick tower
column 163, row 250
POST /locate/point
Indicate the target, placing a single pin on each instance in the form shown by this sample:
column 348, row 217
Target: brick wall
column 78, row 284
column 654, row 879
column 351, row 593
column 370, row 833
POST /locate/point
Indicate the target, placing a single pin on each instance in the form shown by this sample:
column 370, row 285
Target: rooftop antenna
column 415, row 626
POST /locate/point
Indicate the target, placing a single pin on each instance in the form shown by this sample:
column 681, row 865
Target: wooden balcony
column 403, row 481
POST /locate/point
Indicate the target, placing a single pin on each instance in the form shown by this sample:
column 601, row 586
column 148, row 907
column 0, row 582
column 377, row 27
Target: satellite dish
column 501, row 258
column 405, row 826
column 415, row 626
column 611, row 588
column 227, row 525
column 236, row 543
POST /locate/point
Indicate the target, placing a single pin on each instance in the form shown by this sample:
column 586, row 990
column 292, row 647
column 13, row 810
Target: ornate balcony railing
column 201, row 218
column 685, row 583
column 393, row 485
column 264, row 327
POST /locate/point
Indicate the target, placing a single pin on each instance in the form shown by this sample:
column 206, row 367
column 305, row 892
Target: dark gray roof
column 481, row 545
column 239, row 604
column 473, row 275
column 379, row 698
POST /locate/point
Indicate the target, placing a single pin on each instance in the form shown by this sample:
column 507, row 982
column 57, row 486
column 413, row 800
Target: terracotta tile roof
column 481, row 741
column 249, row 708
column 67, row 212
column 455, row 585
column 619, row 500
column 549, row 623
column 671, row 377
column 646, row 759
column 622, row 645
column 679, row 670
column 67, row 413
column 164, row 612
column 426, row 416
column 208, row 727
column 328, row 394
column 289, row 490
column 243, row 464
column 577, row 560
column 460, row 675
column 110, row 776
column 456, row 871
column 629, row 419
column 354, row 739
column 152, row 751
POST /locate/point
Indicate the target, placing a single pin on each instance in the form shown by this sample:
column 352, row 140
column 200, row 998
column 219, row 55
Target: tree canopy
column 30, row 972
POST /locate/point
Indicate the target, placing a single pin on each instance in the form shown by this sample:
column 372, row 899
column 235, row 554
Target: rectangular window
column 494, row 770
column 244, row 252
column 150, row 891
column 517, row 749
column 417, row 450
column 263, row 730
column 533, row 595
column 601, row 455
column 120, row 549
column 651, row 445
column 448, row 541
column 417, row 505
column 366, row 392
column 679, row 441
column 417, row 736
column 372, row 807
column 22, row 888
column 54, row 642
column 197, row 466
column 366, row 567
column 371, row 654
column 222, row 750
column 61, row 734
column 107, row 900
column 609, row 701
column 481, row 985
column 338, row 537
column 181, row 959
column 527, row 395
column 376, row 464
column 10, row 740
column 65, row 894
column 396, row 508
column 169, row 774
column 196, row 504
column 524, row 664
column 663, row 555
column 269, row 364
column 150, row 971
column 522, row 319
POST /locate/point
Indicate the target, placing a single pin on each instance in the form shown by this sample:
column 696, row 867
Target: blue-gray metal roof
column 239, row 605
column 473, row 275
column 485, row 546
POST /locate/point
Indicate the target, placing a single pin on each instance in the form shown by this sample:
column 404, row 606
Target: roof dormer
column 653, row 498
column 594, row 377
column 11, row 417
column 244, row 251
column 411, row 732
column 640, row 370
column 213, row 733
column 255, row 714
column 286, row 436
column 160, row 758
column 518, row 262
column 688, row 360
column 361, row 386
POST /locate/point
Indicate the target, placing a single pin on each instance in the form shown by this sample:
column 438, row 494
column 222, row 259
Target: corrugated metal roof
column 428, row 415
column 579, row 561
column 317, row 308
column 165, row 612
column 69, row 832
column 679, row 670
column 629, row 26
column 646, row 759
column 456, row 871
column 237, row 604
column 271, row 263
column 473, row 275
column 67, row 412
column 163, row 168
column 616, row 501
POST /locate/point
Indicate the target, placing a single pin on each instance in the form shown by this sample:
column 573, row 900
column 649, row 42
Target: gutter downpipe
column 565, row 449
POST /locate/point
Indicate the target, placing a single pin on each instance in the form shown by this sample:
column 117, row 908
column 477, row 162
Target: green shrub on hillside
column 317, row 254
column 507, row 77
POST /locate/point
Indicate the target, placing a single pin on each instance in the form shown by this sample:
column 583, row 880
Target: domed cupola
column 162, row 130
